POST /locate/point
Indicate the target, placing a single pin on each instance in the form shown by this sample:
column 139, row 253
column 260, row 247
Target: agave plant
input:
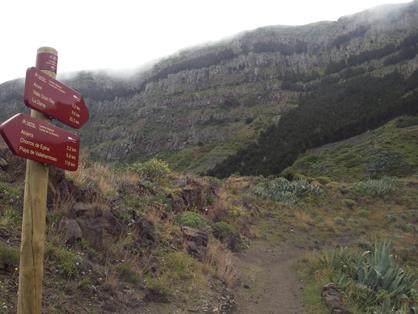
column 380, row 272
column 373, row 280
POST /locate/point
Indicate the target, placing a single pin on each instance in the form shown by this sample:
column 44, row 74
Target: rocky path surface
column 269, row 284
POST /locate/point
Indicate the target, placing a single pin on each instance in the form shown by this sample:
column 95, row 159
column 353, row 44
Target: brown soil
column 269, row 284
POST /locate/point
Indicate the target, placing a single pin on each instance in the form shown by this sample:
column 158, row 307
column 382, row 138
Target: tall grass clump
column 372, row 280
column 288, row 192
column 376, row 187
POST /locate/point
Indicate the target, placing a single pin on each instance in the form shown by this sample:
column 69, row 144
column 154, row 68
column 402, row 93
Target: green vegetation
column 222, row 230
column 67, row 262
column 9, row 190
column 177, row 268
column 126, row 273
column 387, row 151
column 373, row 281
column 151, row 170
column 288, row 192
column 406, row 121
column 193, row 220
column 9, row 257
column 376, row 187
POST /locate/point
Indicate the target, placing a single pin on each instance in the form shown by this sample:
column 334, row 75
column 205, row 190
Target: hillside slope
column 203, row 104
column 388, row 150
column 145, row 239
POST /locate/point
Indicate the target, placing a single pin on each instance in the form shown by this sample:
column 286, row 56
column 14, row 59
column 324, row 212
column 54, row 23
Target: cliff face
column 203, row 104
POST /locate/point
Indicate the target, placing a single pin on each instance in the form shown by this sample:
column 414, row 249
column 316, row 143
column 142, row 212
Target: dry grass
column 304, row 218
column 106, row 178
column 62, row 203
column 222, row 261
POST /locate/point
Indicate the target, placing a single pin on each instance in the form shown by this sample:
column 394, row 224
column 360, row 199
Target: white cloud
column 99, row 34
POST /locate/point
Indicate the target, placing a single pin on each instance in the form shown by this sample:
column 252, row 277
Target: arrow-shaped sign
column 54, row 99
column 42, row 141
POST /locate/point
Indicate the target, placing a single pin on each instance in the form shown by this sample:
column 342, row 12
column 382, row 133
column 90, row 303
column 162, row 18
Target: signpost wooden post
column 41, row 143
column 31, row 267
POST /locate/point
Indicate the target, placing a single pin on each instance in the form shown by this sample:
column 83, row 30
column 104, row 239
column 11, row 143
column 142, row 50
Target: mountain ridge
column 199, row 106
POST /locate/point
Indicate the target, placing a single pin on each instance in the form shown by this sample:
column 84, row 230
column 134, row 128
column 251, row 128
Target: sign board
column 41, row 141
column 47, row 61
column 54, row 99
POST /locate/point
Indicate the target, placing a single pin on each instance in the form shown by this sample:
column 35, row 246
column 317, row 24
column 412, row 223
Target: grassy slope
column 137, row 255
column 392, row 148
column 351, row 214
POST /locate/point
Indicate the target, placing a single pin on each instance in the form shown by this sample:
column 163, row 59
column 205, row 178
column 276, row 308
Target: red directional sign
column 54, row 99
column 42, row 141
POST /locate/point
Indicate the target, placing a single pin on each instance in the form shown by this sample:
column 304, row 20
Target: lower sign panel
column 42, row 141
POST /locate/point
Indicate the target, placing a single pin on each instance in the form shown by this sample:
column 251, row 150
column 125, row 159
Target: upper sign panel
column 54, row 99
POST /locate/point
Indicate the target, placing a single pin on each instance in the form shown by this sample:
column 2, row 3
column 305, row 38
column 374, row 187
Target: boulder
column 93, row 229
column 176, row 203
column 332, row 298
column 145, row 232
column 193, row 196
column 197, row 236
column 197, row 242
column 79, row 209
column 71, row 230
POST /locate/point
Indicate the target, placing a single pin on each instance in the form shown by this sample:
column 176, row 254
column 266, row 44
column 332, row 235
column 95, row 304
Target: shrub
column 127, row 274
column 222, row 230
column 9, row 257
column 67, row 261
column 10, row 190
column 376, row 187
column 386, row 162
column 288, row 192
column 406, row 121
column 193, row 220
column 179, row 265
column 158, row 289
column 372, row 280
column 11, row 217
column 152, row 169
column 176, row 268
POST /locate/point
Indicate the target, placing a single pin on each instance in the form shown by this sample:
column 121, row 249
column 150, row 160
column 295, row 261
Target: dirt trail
column 269, row 283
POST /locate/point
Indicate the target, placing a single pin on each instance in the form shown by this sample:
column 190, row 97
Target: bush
column 376, row 187
column 193, row 220
column 10, row 190
column 372, row 280
column 406, row 121
column 67, row 261
column 386, row 162
column 288, row 192
column 9, row 257
column 179, row 265
column 152, row 169
column 222, row 230
column 127, row 274
column 176, row 268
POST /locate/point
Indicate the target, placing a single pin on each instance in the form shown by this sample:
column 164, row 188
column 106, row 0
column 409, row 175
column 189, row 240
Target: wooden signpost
column 41, row 143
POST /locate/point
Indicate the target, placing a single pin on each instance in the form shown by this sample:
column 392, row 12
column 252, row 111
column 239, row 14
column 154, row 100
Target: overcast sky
column 122, row 34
